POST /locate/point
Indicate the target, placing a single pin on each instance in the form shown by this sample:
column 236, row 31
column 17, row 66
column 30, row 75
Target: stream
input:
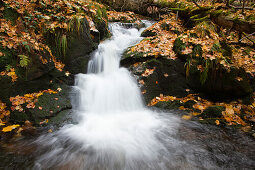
column 111, row 129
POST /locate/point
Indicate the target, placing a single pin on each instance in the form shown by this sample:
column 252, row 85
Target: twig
column 248, row 8
column 196, row 3
column 247, row 36
column 243, row 6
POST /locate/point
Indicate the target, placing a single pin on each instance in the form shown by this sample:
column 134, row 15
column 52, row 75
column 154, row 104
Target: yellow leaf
column 181, row 108
column 217, row 122
column 195, row 113
column 246, row 128
column 186, row 117
column 10, row 128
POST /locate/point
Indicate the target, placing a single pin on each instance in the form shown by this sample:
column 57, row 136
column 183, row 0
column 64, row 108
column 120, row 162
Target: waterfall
column 115, row 130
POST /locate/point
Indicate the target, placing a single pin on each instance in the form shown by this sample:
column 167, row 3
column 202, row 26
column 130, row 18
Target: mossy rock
column 169, row 104
column 49, row 105
column 211, row 121
column 178, row 47
column 189, row 104
column 148, row 33
column 10, row 14
column 62, row 117
column 168, row 77
column 19, row 117
column 213, row 112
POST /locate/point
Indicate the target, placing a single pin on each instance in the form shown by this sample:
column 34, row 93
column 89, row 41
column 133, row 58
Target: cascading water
column 114, row 129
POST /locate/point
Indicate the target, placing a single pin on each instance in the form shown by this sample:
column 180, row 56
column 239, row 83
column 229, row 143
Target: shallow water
column 112, row 129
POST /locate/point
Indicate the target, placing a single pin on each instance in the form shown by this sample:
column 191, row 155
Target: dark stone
column 51, row 105
column 213, row 112
column 45, row 76
column 169, row 105
column 132, row 25
column 19, row 117
column 221, row 84
column 168, row 77
column 148, row 33
column 80, row 45
column 189, row 104
column 62, row 117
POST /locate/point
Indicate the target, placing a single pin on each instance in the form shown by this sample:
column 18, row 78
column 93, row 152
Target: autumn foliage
column 23, row 29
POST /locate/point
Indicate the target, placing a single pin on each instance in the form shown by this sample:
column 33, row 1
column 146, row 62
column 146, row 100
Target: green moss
column 10, row 14
column 19, row 117
column 148, row 33
column 153, row 62
column 165, row 26
column 168, row 104
column 179, row 46
column 213, row 112
column 212, row 121
column 189, row 104
column 216, row 13
column 7, row 59
column 197, row 51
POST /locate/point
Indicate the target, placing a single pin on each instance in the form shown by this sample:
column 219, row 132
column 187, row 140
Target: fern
column 187, row 65
column 8, row 67
column 24, row 61
column 63, row 45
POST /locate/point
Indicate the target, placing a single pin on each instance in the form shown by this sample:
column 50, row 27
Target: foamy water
column 115, row 130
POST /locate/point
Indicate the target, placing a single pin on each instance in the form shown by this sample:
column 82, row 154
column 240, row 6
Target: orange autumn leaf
column 10, row 128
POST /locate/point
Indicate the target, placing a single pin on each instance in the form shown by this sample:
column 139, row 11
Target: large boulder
column 40, row 76
column 168, row 77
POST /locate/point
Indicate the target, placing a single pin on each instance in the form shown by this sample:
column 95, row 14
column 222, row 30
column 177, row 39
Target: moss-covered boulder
column 48, row 105
column 168, row 75
column 169, row 105
column 148, row 33
column 222, row 84
column 213, row 112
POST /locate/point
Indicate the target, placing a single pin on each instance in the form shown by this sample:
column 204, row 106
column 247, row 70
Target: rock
column 189, row 104
column 45, row 76
column 133, row 25
column 50, row 105
column 148, row 33
column 168, row 77
column 221, row 85
column 213, row 112
column 169, row 105
column 62, row 117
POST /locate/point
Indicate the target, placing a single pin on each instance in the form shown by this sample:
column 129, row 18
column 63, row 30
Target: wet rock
column 213, row 112
column 50, row 105
column 133, row 25
column 168, row 77
column 46, row 76
column 169, row 105
column 148, row 33
column 222, row 84
column 189, row 104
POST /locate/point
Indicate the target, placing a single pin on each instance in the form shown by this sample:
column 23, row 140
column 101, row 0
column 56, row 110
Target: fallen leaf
column 10, row 128
column 186, row 117
column 217, row 122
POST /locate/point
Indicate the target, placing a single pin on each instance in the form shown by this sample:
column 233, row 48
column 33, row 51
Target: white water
column 114, row 130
